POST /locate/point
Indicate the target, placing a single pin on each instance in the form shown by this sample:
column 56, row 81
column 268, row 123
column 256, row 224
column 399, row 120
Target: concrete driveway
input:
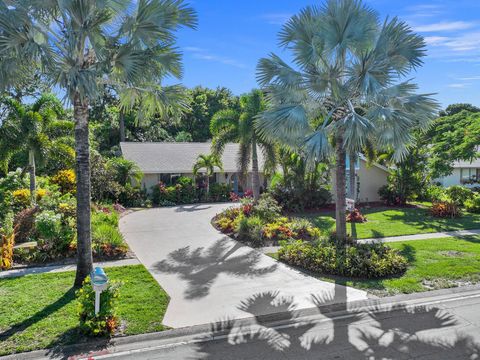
column 209, row 276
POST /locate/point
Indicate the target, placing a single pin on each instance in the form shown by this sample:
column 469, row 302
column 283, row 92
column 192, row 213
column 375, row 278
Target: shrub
column 24, row 222
column 304, row 230
column 435, row 193
column 459, row 194
column 219, row 192
column 106, row 321
column 7, row 241
column 108, row 241
column 250, row 229
column 267, row 208
column 278, row 230
column 473, row 204
column 356, row 217
column 21, row 198
column 445, row 208
column 48, row 225
column 390, row 196
column 296, row 199
column 66, row 181
column 228, row 220
column 359, row 260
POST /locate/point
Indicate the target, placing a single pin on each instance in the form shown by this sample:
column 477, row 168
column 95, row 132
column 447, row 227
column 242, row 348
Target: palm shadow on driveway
column 200, row 267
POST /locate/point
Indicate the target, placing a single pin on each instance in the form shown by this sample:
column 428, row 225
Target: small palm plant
column 83, row 47
column 232, row 126
column 345, row 59
column 208, row 163
column 26, row 129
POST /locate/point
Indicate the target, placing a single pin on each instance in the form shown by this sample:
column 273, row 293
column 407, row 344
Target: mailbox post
column 99, row 282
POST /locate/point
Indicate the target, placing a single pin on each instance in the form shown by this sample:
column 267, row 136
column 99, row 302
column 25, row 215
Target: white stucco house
column 166, row 161
column 464, row 173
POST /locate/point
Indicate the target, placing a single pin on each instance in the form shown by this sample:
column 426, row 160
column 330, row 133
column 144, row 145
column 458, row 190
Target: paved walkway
column 437, row 235
column 211, row 277
column 62, row 268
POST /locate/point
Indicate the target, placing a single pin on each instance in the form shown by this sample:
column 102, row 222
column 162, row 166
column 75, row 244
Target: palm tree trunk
column 255, row 175
column 352, row 160
column 82, row 152
column 340, row 190
column 33, row 185
column 208, row 185
column 121, row 120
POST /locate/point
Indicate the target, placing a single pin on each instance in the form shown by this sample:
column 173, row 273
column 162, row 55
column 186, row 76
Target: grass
column 433, row 264
column 40, row 311
column 384, row 222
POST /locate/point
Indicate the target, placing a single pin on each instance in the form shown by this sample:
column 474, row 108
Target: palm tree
column 232, row 126
column 127, row 171
column 82, row 46
column 209, row 163
column 344, row 58
column 26, row 129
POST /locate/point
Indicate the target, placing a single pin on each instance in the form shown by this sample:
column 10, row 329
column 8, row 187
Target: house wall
column 371, row 178
column 455, row 177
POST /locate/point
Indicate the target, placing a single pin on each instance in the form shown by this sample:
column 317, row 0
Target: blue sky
column 233, row 35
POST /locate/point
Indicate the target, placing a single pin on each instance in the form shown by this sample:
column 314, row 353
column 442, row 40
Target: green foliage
column 359, row 260
column 451, row 138
column 219, row 192
column 183, row 192
column 473, row 204
column 459, row 194
column 435, row 193
column 267, row 208
column 250, row 229
column 7, row 241
column 48, row 225
column 457, row 108
column 66, row 180
column 107, row 320
column 299, row 187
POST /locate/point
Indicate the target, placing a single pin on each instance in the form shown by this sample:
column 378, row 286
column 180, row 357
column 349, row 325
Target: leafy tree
column 208, row 163
column 238, row 126
column 80, row 46
column 204, row 103
column 344, row 58
column 451, row 138
column 25, row 130
column 456, row 108
column 127, row 172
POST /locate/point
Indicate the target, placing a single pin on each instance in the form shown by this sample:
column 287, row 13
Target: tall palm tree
column 232, row 126
column 26, row 129
column 209, row 163
column 82, row 46
column 344, row 58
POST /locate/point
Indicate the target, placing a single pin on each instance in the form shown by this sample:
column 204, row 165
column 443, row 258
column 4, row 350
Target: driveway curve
column 211, row 277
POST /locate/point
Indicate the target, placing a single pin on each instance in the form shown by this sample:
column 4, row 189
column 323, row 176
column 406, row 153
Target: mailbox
column 99, row 282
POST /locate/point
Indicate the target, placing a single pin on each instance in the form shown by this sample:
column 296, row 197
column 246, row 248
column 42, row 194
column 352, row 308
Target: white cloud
column 425, row 10
column 204, row 54
column 459, row 85
column 276, row 18
column 470, row 78
column 445, row 26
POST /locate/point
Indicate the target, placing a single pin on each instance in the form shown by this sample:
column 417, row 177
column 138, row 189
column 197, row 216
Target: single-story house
column 166, row 161
column 465, row 173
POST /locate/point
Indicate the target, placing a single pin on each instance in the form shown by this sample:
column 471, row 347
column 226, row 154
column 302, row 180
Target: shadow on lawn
column 201, row 266
column 377, row 332
column 66, row 298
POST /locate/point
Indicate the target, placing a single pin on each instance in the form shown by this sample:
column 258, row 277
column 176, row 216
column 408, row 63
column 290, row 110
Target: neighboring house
column 465, row 173
column 167, row 161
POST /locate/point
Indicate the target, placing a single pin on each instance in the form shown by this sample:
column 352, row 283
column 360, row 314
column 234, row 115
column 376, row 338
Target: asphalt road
column 431, row 328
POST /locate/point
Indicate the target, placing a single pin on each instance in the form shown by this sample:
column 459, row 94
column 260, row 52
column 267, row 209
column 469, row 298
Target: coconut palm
column 83, row 46
column 26, row 129
column 232, row 126
column 207, row 163
column 344, row 58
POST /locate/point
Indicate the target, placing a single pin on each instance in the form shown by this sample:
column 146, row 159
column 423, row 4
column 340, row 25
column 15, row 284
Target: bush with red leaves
column 356, row 217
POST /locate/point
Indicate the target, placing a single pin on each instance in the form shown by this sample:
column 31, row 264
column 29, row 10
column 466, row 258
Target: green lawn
column 398, row 221
column 40, row 311
column 433, row 264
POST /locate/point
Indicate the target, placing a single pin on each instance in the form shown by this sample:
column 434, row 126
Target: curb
column 212, row 331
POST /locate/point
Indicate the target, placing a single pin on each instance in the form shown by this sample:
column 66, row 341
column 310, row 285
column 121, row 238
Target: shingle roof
column 171, row 157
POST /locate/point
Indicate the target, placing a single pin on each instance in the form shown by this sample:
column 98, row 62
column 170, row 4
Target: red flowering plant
column 356, row 217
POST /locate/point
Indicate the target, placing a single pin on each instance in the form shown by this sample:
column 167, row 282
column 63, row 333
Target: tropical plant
column 25, row 129
column 345, row 58
column 238, row 126
column 127, row 172
column 208, row 163
column 81, row 46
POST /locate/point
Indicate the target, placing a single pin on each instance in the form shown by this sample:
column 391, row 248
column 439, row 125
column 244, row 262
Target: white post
column 97, row 301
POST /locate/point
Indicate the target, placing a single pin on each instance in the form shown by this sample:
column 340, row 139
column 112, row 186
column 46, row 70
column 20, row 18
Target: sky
column 233, row 35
